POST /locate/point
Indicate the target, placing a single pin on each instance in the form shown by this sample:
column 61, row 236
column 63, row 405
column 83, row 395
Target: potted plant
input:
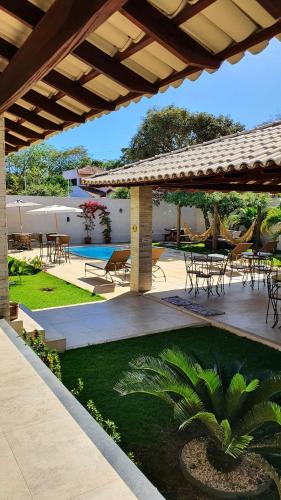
column 14, row 310
column 232, row 421
column 90, row 209
column 88, row 216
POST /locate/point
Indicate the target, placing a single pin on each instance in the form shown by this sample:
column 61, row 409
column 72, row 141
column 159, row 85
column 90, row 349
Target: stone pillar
column 141, row 239
column 4, row 289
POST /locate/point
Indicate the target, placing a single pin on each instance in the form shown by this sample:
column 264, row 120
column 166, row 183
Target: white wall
column 164, row 216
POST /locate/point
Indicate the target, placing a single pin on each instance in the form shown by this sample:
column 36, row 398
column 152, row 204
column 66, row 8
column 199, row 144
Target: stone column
column 4, row 289
column 141, row 239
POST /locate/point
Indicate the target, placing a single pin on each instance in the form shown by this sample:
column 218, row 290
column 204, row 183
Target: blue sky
column 248, row 91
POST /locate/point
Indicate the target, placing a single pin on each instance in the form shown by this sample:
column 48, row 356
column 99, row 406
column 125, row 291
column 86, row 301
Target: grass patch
column 44, row 290
column 146, row 423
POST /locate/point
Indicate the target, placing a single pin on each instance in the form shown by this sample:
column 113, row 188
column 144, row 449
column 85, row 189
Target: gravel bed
column 245, row 477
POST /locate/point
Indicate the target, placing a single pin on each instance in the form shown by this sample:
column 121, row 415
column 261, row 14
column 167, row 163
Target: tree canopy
column 169, row 128
column 38, row 169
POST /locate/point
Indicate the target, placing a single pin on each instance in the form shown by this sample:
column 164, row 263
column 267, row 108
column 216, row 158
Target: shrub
column 233, row 410
column 17, row 267
column 49, row 356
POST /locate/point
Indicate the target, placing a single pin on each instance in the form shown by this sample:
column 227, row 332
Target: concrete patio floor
column 124, row 315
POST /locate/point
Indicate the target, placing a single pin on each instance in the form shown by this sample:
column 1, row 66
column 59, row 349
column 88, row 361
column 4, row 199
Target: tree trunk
column 215, row 226
column 178, row 224
column 258, row 228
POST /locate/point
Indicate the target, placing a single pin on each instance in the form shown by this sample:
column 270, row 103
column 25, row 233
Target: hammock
column 247, row 236
column 196, row 237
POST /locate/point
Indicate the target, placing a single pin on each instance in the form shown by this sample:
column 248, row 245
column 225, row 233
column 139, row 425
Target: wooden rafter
column 273, row 7
column 191, row 10
column 156, row 25
column 111, row 68
column 15, row 141
column 22, row 130
column 24, row 11
column 52, row 107
column 250, row 41
column 33, row 118
column 65, row 24
column 76, row 91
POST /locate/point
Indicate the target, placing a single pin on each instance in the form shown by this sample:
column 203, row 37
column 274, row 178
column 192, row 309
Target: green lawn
column 145, row 422
column 29, row 290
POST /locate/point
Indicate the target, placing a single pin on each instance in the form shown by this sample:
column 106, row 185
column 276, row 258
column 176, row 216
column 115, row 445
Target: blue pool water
column 95, row 252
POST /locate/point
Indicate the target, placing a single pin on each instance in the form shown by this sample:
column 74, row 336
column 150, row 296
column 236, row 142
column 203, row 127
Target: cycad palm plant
column 230, row 409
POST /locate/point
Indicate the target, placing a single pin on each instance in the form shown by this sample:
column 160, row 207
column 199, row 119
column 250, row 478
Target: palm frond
column 185, row 409
column 238, row 445
column 209, row 421
column 258, row 415
column 233, row 446
column 213, row 386
column 267, row 389
column 137, row 382
column 151, row 364
column 269, row 446
column 182, row 363
column 237, row 393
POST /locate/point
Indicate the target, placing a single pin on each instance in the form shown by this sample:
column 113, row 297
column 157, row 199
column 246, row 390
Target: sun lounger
column 116, row 262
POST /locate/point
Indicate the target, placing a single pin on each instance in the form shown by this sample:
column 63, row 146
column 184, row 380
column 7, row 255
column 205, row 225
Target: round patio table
column 259, row 264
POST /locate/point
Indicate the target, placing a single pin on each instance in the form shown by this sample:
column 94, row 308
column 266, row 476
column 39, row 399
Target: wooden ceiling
column 65, row 28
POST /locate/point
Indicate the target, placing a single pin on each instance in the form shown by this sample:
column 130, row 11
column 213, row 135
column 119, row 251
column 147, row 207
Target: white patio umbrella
column 54, row 210
column 19, row 204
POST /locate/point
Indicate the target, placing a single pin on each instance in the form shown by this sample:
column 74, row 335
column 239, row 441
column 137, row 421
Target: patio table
column 259, row 263
column 22, row 241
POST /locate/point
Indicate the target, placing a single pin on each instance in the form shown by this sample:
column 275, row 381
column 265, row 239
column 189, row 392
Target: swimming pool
column 98, row 252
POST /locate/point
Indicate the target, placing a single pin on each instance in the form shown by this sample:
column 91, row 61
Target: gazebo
column 245, row 161
column 64, row 62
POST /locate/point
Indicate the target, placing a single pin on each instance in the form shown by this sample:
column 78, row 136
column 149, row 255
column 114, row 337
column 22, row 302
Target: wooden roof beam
column 273, row 7
column 15, row 141
column 65, row 24
column 32, row 117
column 22, row 130
column 113, row 69
column 22, row 10
column 191, row 10
column 52, row 107
column 7, row 50
column 158, row 26
column 76, row 91
column 254, row 39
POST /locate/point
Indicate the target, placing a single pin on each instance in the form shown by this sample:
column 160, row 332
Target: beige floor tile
column 115, row 490
column 12, row 483
column 58, row 460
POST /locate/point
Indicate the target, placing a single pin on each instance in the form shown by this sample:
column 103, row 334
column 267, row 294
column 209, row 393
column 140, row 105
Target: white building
column 76, row 188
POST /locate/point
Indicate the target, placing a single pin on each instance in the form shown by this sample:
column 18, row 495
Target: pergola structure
column 245, row 161
column 63, row 62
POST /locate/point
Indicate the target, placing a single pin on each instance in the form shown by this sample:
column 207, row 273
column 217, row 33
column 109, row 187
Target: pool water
column 95, row 251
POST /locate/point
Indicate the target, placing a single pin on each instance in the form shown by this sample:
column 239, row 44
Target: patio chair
column 274, row 295
column 22, row 241
column 269, row 247
column 156, row 254
column 236, row 263
column 116, row 262
column 61, row 250
column 38, row 238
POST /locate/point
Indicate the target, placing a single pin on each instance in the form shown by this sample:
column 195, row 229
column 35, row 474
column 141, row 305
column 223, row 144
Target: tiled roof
column 126, row 56
column 260, row 147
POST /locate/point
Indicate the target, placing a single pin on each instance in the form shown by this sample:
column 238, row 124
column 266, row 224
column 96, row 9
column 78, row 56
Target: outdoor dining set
column 56, row 244
column 207, row 272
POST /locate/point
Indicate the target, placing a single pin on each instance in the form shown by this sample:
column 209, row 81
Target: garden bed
column 42, row 290
column 145, row 423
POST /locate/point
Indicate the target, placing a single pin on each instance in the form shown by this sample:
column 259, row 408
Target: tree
column 170, row 128
column 122, row 193
column 38, row 169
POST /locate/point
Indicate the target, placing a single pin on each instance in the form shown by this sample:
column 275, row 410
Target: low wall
column 164, row 216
